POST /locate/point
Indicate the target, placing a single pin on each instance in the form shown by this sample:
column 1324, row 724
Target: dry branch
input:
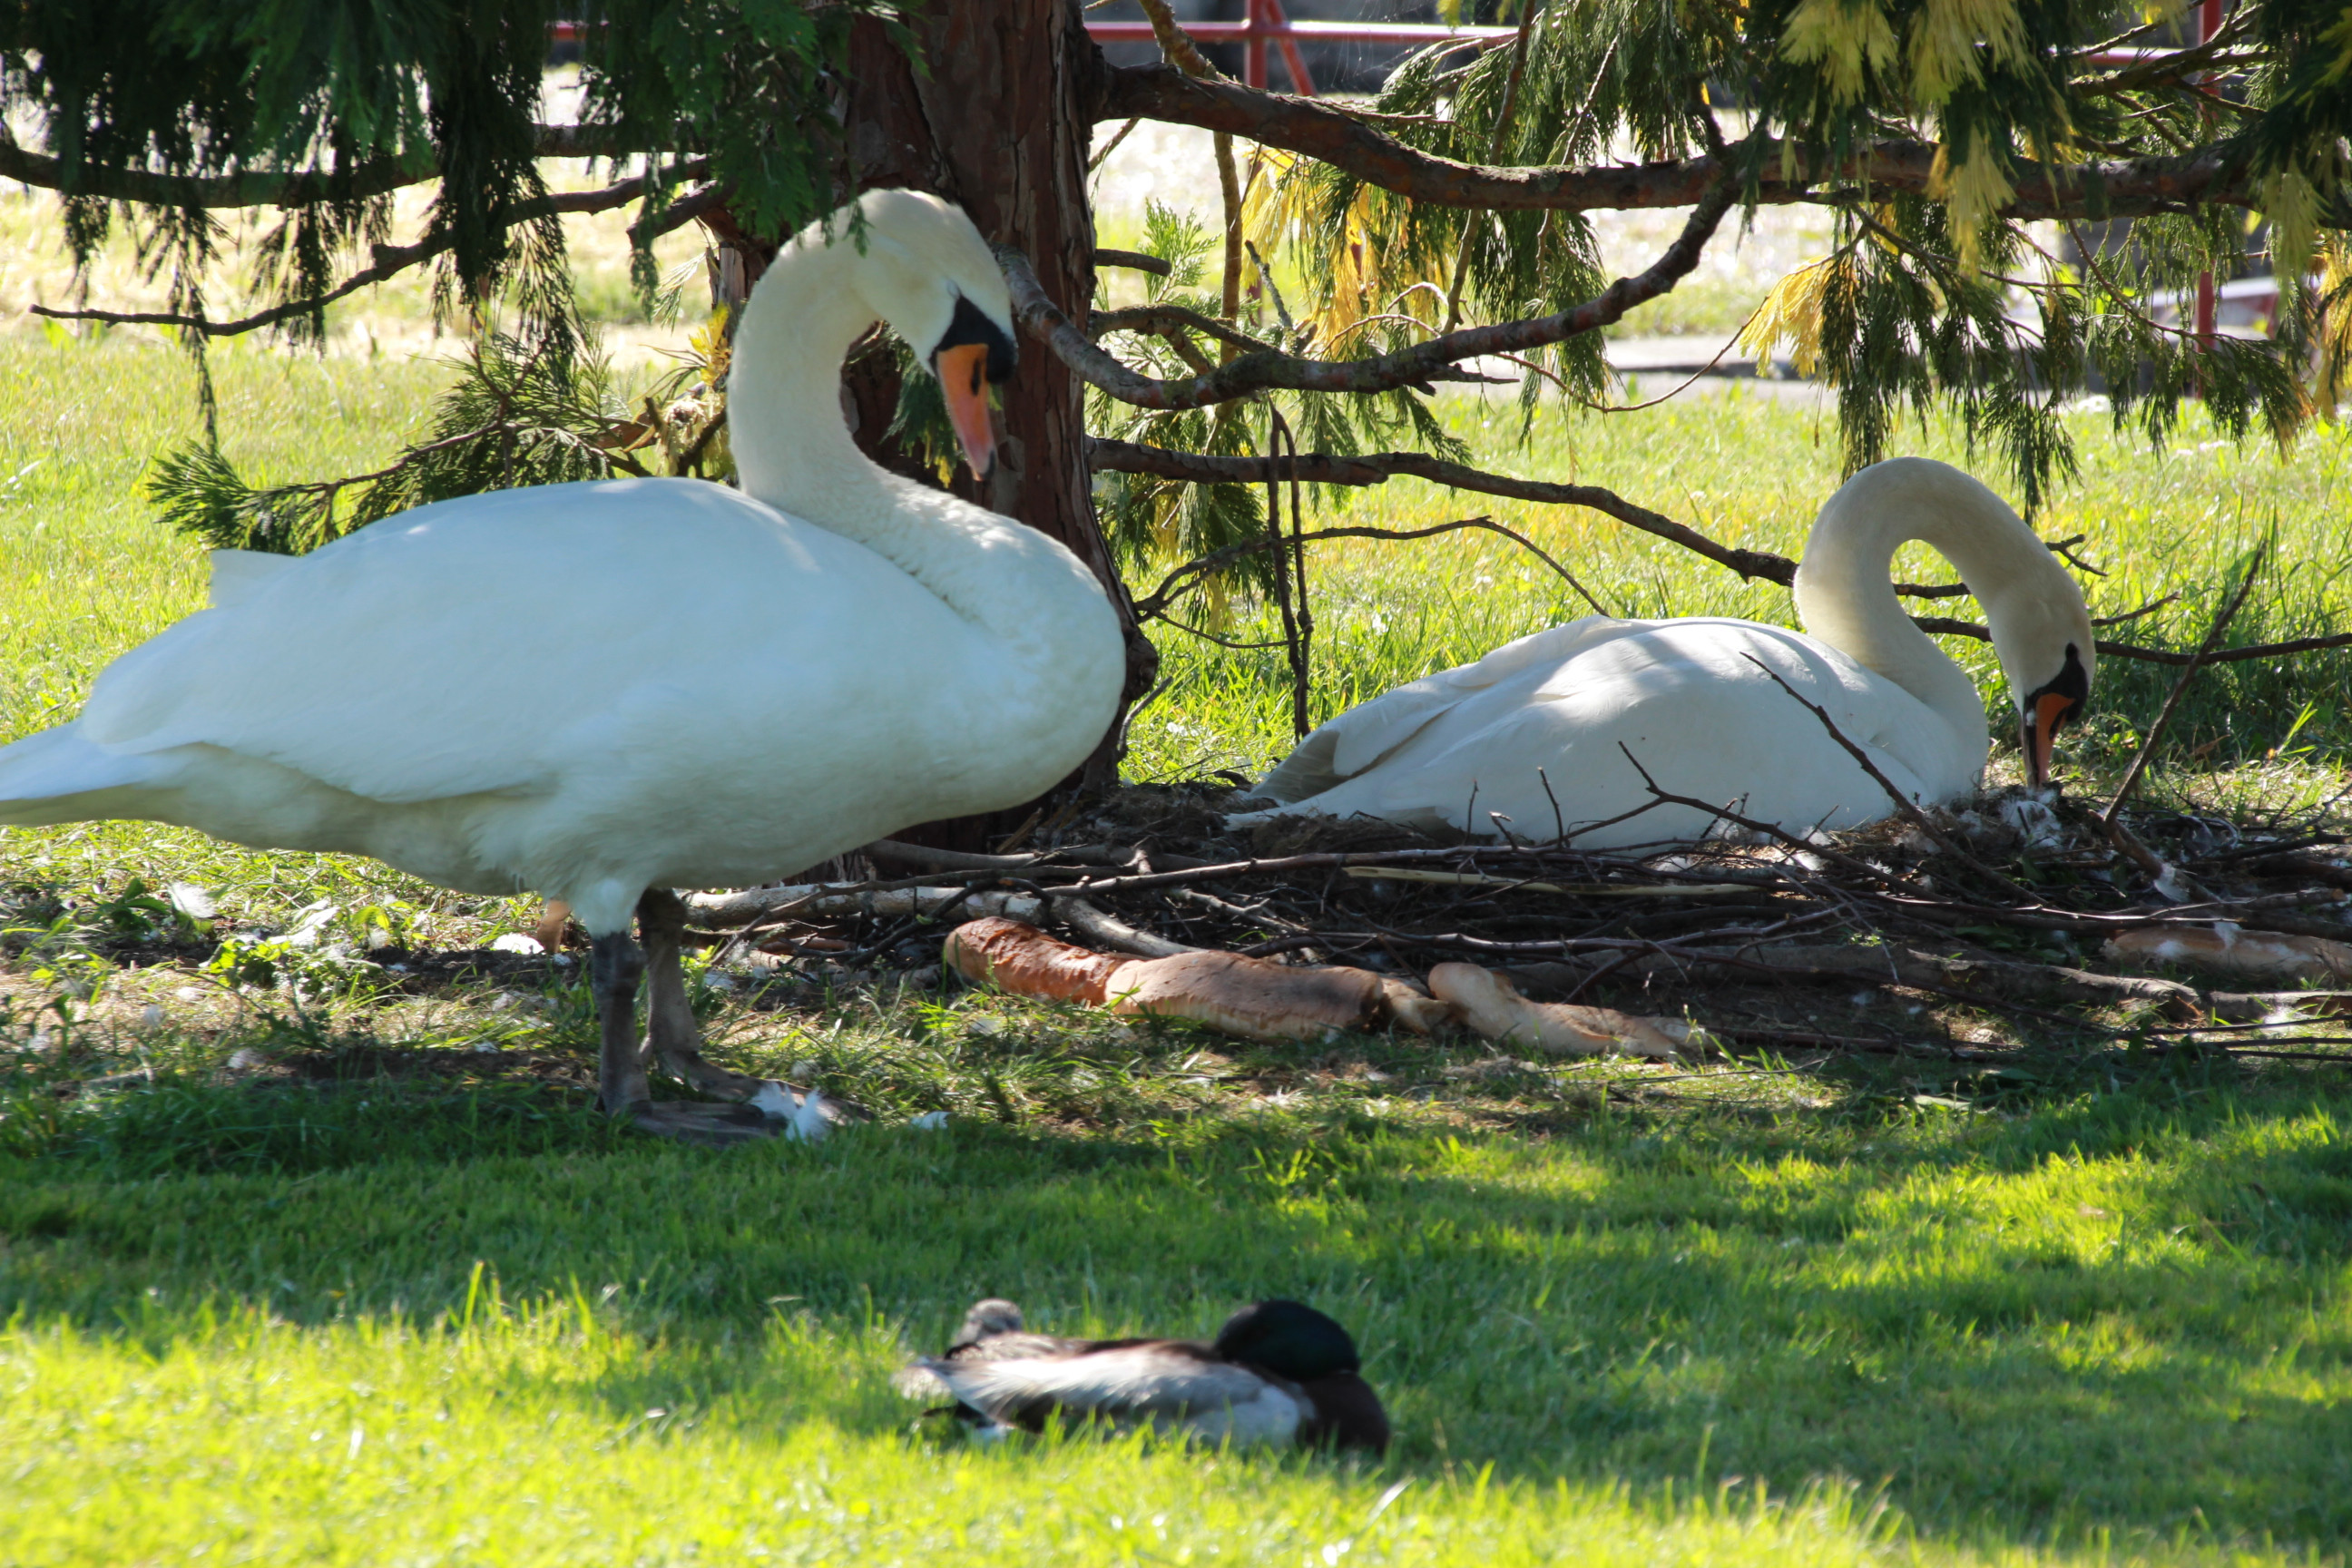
column 1526, row 885
column 389, row 261
column 924, row 855
column 1893, row 964
column 823, row 901
column 1769, row 831
column 1192, row 573
column 1492, row 1008
column 1938, row 624
column 2224, row 949
column 2107, row 820
column 2126, row 188
column 1433, row 360
column 1905, row 806
column 1133, row 259
column 1244, row 996
column 1162, row 320
column 1378, row 467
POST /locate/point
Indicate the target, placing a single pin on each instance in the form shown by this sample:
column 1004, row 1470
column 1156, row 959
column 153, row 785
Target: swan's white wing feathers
column 56, row 776
column 1684, row 699
column 341, row 664
column 1358, row 740
column 239, row 574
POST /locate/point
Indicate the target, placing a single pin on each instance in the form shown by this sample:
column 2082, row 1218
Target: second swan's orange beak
column 963, row 377
column 2041, row 730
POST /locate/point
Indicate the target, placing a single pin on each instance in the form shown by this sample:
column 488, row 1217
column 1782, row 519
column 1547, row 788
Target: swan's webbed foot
column 622, row 1091
column 700, row 1121
column 673, row 1039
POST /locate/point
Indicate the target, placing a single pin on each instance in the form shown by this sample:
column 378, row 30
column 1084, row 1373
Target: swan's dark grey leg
column 617, row 966
column 672, row 1035
column 614, row 966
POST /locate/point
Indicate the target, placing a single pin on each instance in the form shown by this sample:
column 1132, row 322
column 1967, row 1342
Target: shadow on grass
column 2123, row 1312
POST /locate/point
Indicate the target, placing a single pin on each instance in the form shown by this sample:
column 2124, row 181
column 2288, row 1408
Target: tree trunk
column 999, row 125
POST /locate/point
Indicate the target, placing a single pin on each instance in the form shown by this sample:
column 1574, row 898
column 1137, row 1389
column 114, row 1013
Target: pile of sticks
column 2022, row 911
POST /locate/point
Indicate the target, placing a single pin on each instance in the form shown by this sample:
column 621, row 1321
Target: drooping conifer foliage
column 163, row 111
column 1976, row 155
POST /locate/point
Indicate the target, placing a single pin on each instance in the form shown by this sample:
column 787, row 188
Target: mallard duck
column 1278, row 1373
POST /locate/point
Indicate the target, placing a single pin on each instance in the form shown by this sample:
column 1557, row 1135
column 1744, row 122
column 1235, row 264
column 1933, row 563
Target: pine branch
column 1134, row 259
column 266, row 187
column 1163, row 318
column 390, row 260
column 1941, row 627
column 1378, row 467
column 2124, row 188
column 1435, row 360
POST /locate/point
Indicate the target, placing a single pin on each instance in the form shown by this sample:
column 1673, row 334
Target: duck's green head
column 1288, row 1338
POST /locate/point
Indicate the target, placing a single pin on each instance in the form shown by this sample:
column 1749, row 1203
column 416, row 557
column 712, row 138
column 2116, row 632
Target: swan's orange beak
column 963, row 377
column 2039, row 731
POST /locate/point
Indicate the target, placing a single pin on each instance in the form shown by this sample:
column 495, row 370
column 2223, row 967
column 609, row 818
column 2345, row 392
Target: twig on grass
column 2338, row 1057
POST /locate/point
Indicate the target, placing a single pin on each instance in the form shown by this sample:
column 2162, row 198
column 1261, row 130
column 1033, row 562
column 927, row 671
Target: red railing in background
column 1263, row 22
column 2208, row 22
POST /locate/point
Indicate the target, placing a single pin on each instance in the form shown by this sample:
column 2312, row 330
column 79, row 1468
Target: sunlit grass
column 2116, row 1319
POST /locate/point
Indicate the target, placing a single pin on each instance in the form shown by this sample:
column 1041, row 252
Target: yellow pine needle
column 1945, row 35
column 1979, row 188
column 1844, row 39
column 1792, row 311
column 2292, row 204
column 709, row 345
column 2336, row 327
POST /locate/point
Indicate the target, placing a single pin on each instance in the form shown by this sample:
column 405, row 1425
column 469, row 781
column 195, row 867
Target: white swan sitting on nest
column 1462, row 749
column 742, row 683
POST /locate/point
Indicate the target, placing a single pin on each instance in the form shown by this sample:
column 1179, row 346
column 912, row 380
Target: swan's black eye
column 971, row 325
column 2072, row 682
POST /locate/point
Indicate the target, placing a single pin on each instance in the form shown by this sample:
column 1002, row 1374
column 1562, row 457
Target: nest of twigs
column 2020, row 919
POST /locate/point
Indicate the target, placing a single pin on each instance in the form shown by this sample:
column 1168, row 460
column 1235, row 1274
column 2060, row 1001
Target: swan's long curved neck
column 794, row 449
column 1844, row 593
column 791, row 445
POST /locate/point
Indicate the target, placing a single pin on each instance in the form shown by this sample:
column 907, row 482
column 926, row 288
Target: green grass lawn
column 1751, row 1311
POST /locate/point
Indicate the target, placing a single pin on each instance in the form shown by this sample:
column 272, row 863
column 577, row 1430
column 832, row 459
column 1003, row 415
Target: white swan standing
column 1684, row 697
column 750, row 681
